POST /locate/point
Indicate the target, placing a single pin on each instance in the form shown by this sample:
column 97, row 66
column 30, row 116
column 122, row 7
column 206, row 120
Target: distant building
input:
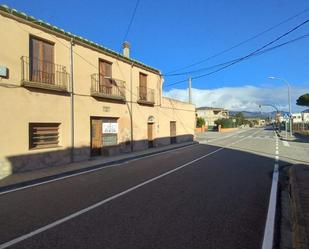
column 211, row 114
column 302, row 117
column 297, row 118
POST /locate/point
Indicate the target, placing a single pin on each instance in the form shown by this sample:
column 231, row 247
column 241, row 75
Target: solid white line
column 271, row 214
column 85, row 210
column 92, row 170
column 285, row 143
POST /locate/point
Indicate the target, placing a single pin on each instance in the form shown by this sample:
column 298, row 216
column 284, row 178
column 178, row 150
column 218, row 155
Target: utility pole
column 190, row 90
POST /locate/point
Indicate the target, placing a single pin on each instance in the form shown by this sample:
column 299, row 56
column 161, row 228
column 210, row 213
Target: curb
column 76, row 171
column 298, row 227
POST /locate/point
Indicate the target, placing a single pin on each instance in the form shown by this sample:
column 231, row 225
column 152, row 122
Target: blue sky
column 172, row 34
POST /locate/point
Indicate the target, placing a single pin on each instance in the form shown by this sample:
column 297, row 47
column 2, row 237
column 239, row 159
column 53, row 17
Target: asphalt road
column 211, row 195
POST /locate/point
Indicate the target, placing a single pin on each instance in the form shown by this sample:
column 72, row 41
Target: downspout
column 131, row 106
column 72, row 100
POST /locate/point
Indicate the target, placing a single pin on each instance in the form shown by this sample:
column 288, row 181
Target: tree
column 303, row 100
column 239, row 118
column 200, row 122
column 224, row 122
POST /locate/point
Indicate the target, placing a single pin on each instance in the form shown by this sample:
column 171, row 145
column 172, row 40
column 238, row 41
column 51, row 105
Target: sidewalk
column 299, row 184
column 32, row 177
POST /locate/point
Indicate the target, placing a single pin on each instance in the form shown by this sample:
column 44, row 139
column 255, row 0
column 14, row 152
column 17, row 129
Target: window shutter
column 43, row 135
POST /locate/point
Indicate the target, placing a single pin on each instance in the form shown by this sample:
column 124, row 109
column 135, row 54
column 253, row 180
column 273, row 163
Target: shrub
column 200, row 122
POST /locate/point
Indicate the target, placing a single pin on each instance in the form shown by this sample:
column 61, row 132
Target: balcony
column 44, row 75
column 146, row 96
column 107, row 88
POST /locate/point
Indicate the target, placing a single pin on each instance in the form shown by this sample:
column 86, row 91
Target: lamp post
column 277, row 111
column 289, row 98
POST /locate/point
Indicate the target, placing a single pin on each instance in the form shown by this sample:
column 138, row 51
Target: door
column 96, row 136
column 105, row 73
column 150, row 135
column 173, row 132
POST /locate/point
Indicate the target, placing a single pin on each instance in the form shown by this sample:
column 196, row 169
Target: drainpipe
column 72, row 100
column 131, row 107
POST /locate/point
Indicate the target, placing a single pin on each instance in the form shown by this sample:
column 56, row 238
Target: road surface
column 211, row 195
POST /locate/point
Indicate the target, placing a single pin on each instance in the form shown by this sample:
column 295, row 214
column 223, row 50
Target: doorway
column 96, row 136
column 150, row 134
column 173, row 132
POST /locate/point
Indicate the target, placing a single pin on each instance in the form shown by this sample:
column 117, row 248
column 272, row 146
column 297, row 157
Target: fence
column 301, row 128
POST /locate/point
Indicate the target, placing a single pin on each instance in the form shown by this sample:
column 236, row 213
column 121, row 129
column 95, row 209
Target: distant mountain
column 248, row 114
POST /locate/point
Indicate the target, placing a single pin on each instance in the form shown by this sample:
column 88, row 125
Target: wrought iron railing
column 146, row 94
column 41, row 73
column 102, row 86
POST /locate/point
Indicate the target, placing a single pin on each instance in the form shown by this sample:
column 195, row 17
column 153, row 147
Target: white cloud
column 245, row 98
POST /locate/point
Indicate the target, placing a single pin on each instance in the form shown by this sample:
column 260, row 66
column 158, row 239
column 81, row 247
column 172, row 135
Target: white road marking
column 270, row 221
column 85, row 210
column 232, row 135
column 285, row 143
column 93, row 170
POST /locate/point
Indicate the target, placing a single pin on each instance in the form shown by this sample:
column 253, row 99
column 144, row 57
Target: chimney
column 126, row 49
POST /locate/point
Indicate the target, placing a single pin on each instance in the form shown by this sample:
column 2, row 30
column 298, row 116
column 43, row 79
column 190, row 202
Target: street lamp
column 289, row 98
column 277, row 111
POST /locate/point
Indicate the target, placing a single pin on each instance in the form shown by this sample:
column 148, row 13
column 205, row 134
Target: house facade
column 65, row 98
column 211, row 114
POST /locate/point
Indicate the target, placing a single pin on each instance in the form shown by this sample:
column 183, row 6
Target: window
column 42, row 68
column 109, row 132
column 143, row 86
column 105, row 77
column 43, row 135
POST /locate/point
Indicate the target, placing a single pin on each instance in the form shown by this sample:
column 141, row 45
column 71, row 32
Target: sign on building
column 109, row 128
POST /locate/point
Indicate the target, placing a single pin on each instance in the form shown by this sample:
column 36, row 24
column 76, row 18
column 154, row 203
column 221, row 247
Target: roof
column 60, row 31
column 211, row 108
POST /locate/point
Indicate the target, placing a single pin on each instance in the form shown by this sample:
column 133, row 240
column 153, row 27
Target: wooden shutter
column 143, row 86
column 48, row 65
column 43, row 135
column 35, row 66
column 105, row 70
column 41, row 61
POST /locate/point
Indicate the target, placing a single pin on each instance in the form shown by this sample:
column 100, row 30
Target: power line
column 257, row 52
column 170, row 73
column 131, row 21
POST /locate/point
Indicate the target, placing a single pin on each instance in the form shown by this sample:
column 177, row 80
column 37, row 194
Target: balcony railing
column 43, row 74
column 146, row 95
column 108, row 88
